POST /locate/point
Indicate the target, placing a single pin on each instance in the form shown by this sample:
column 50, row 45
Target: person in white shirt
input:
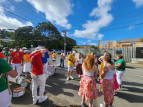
column 62, row 59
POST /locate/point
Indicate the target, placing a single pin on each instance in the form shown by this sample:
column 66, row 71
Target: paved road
column 62, row 92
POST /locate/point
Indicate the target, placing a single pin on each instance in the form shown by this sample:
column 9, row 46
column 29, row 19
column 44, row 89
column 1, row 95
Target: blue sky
column 86, row 20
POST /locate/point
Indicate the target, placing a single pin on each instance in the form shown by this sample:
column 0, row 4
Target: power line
column 116, row 28
column 16, row 15
column 22, row 8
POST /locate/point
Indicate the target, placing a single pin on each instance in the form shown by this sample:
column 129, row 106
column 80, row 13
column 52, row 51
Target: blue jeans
column 61, row 62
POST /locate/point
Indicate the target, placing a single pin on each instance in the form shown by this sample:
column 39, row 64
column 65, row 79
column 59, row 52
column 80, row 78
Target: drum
column 18, row 92
column 22, row 81
column 51, row 69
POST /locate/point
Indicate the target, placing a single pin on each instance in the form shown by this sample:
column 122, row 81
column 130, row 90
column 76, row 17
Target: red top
column 22, row 53
column 1, row 55
column 16, row 57
column 37, row 66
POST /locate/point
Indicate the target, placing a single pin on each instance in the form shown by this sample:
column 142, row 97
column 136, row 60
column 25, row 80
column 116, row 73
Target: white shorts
column 70, row 68
column 5, row 98
column 27, row 67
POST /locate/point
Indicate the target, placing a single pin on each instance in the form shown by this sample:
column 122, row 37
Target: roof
column 130, row 40
column 83, row 45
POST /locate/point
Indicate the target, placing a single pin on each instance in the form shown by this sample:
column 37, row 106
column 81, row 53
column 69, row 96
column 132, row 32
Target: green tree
column 141, row 40
column 92, row 46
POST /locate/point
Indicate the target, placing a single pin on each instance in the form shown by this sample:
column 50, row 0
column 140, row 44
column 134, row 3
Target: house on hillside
column 133, row 42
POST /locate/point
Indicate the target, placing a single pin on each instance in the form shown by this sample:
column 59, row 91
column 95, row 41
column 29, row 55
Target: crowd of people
column 110, row 73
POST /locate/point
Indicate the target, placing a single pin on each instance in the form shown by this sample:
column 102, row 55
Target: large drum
column 22, row 81
column 51, row 69
column 18, row 92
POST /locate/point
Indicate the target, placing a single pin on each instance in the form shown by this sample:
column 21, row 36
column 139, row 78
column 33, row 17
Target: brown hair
column 107, row 58
column 120, row 56
column 89, row 62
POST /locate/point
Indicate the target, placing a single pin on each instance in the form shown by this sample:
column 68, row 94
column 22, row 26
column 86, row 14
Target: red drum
column 51, row 69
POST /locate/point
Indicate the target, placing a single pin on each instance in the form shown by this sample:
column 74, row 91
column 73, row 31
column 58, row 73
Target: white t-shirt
column 63, row 54
column 80, row 61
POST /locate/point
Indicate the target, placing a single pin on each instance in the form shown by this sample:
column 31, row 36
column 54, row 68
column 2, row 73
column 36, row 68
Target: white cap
column 74, row 52
column 26, row 51
column 39, row 48
column 24, row 48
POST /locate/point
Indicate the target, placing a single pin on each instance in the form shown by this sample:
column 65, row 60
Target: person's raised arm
column 12, row 73
column 100, row 58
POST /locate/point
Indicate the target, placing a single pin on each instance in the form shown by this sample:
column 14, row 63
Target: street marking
column 133, row 75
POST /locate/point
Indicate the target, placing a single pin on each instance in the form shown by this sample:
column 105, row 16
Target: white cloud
column 56, row 11
column 131, row 27
column 89, row 40
column 138, row 2
column 12, row 8
column 91, row 28
column 92, row 44
column 100, row 36
column 11, row 23
column 86, row 43
column 18, row 0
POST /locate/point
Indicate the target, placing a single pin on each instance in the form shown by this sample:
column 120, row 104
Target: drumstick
column 8, row 85
column 34, row 75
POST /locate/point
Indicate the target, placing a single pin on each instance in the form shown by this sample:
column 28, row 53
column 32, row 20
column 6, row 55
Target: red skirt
column 79, row 69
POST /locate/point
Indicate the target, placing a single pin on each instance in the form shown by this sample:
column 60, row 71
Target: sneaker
column 42, row 99
column 101, row 105
column 71, row 77
column 79, row 76
column 97, row 79
column 68, row 78
column 114, row 93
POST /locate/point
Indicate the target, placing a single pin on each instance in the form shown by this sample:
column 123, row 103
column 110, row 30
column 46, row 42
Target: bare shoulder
column 105, row 68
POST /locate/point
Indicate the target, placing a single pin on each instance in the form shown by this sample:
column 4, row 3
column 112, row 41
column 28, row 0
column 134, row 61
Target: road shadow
column 57, row 84
column 133, row 89
column 130, row 67
column 132, row 83
column 130, row 98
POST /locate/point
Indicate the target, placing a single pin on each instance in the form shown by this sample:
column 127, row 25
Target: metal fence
column 128, row 53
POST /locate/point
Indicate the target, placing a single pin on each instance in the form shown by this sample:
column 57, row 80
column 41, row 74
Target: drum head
column 51, row 69
column 23, row 83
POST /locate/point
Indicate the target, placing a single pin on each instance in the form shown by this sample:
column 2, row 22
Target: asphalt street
column 65, row 93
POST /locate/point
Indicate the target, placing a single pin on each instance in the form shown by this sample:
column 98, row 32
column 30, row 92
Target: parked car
column 57, row 51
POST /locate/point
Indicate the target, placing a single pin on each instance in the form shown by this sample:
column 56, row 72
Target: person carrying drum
column 71, row 64
column 55, row 55
column 16, row 60
column 62, row 59
column 27, row 64
column 5, row 94
column 38, row 77
column 45, row 61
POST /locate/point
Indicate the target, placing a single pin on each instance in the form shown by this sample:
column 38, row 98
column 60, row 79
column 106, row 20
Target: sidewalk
column 132, row 65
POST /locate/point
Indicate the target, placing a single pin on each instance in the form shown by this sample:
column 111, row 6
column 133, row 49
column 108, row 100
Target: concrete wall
column 128, row 53
column 85, row 51
column 136, row 60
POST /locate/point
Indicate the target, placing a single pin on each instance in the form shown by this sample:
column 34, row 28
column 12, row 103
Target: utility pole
column 64, row 32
